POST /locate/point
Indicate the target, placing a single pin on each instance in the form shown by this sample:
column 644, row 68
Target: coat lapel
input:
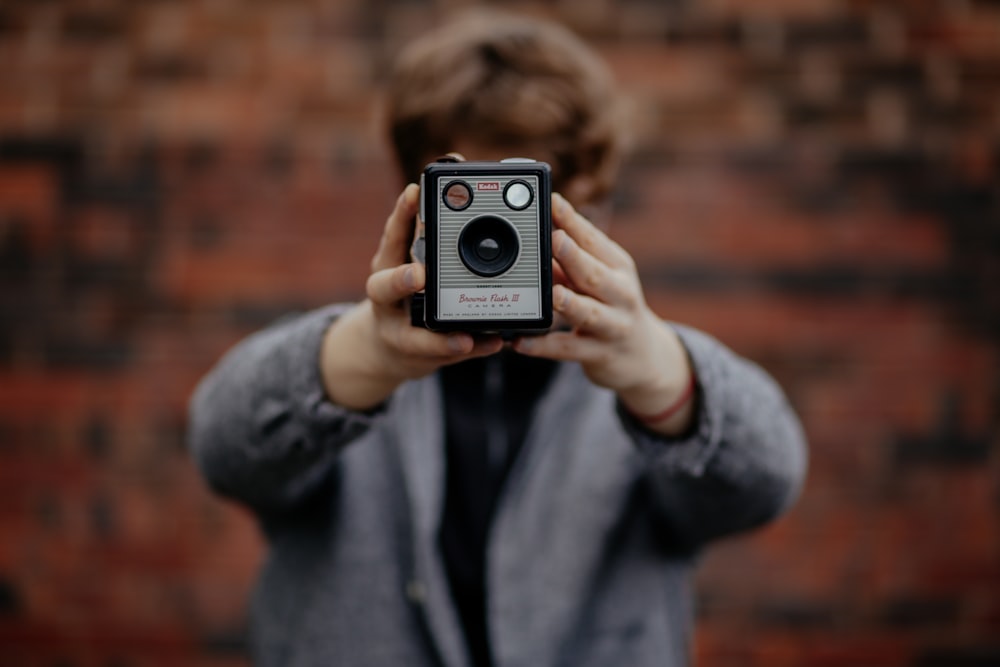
column 563, row 498
column 421, row 451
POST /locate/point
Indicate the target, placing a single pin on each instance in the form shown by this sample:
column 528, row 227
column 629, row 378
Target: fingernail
column 409, row 279
column 523, row 344
column 559, row 243
column 456, row 343
column 560, row 297
column 560, row 203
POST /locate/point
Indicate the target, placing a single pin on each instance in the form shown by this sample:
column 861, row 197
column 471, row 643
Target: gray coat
column 590, row 556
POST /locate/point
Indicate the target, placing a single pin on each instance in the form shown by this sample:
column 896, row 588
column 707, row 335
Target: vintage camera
column 485, row 229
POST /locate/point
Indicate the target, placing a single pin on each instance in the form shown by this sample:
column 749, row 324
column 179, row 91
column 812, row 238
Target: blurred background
column 816, row 182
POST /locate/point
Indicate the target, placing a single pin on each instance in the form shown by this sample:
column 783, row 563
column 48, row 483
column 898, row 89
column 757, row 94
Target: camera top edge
column 518, row 165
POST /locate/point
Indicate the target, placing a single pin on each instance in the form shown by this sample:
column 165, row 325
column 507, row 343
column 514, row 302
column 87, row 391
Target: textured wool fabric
column 490, row 403
column 592, row 547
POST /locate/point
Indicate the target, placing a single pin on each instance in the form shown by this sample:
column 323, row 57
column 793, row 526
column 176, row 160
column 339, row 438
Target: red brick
column 761, row 154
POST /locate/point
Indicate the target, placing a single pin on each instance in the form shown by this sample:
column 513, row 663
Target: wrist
column 677, row 405
column 665, row 402
column 354, row 372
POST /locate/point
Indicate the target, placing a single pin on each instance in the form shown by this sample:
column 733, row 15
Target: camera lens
column 488, row 249
column 488, row 245
column 517, row 195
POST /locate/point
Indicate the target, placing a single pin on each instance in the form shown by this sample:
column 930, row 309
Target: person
column 450, row 499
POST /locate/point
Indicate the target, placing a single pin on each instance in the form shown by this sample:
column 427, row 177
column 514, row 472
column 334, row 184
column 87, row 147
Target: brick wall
column 814, row 181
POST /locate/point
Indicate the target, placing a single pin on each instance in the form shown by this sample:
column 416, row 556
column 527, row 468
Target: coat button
column 416, row 592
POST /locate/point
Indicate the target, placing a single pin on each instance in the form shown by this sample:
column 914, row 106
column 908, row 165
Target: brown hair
column 501, row 81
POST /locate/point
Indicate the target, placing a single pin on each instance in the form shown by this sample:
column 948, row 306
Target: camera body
column 486, row 232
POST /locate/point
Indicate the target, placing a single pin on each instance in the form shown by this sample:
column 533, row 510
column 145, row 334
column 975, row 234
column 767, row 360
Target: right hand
column 371, row 350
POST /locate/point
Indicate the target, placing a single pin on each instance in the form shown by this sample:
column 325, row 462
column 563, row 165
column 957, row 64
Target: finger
column 588, row 315
column 389, row 286
column 421, row 343
column 461, row 347
column 485, row 346
column 561, row 346
column 589, row 275
column 393, row 247
column 559, row 276
column 439, row 349
column 587, row 235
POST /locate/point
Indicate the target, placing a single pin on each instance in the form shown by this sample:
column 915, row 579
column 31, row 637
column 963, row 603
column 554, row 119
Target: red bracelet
column 672, row 409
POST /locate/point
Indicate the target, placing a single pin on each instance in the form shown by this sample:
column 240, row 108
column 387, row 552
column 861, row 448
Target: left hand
column 619, row 342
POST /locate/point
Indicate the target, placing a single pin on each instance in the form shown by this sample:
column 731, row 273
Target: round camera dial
column 457, row 195
column 518, row 195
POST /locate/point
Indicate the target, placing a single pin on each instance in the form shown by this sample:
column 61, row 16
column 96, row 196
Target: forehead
column 578, row 188
column 471, row 150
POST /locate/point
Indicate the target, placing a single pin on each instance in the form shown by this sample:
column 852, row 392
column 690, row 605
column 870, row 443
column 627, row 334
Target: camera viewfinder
column 457, row 195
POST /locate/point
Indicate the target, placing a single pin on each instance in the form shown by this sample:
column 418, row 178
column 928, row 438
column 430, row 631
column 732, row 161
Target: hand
column 372, row 349
column 619, row 342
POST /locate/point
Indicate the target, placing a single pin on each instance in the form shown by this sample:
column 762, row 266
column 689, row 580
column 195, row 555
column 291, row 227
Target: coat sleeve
column 261, row 428
column 743, row 463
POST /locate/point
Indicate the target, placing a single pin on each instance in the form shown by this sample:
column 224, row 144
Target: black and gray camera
column 486, row 233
